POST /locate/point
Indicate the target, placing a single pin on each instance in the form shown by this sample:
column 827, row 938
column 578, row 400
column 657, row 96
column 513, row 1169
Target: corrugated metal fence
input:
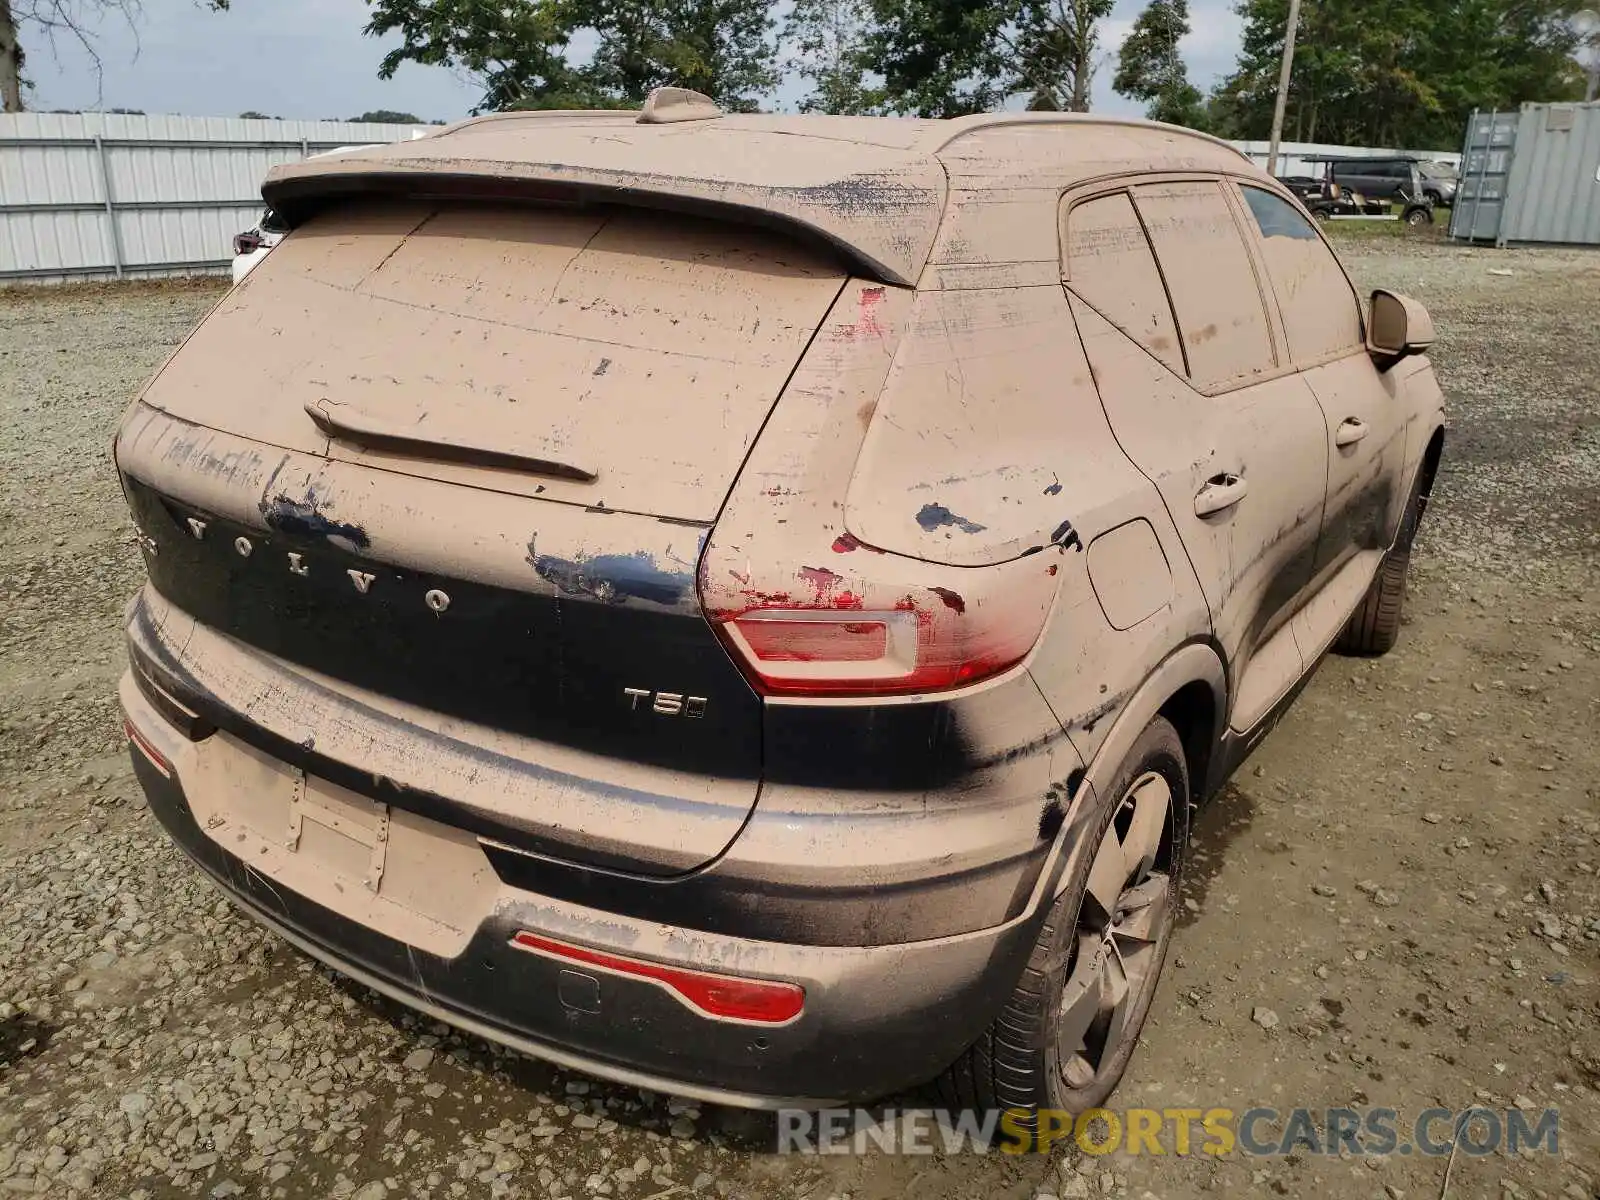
column 104, row 196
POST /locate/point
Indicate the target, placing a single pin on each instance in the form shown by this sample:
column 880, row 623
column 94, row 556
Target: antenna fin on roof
column 665, row 105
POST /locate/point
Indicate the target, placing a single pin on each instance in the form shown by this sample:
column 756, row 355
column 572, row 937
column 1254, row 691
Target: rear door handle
column 1220, row 493
column 1351, row 432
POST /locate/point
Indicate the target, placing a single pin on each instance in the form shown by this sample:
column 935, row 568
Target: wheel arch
column 1427, row 472
column 1193, row 710
column 1431, row 457
column 1190, row 689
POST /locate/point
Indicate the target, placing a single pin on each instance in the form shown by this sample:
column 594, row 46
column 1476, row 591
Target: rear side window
column 1111, row 268
column 1320, row 315
column 1211, row 280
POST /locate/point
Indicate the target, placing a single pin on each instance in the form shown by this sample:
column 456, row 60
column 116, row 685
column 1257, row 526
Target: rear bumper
column 876, row 1019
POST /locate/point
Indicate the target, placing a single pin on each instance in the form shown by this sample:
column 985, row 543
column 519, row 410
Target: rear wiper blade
column 351, row 425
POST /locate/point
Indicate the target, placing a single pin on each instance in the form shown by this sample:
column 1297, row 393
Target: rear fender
column 1194, row 663
column 782, row 543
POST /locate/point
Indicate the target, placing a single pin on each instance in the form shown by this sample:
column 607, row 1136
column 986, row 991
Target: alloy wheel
column 1121, row 929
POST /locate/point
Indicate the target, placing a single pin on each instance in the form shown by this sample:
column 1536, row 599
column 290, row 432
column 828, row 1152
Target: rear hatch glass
column 613, row 358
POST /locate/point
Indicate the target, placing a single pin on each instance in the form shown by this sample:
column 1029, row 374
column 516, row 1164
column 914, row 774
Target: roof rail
column 533, row 114
column 955, row 128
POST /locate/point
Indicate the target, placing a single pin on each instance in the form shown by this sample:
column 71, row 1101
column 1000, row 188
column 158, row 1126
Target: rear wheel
column 1067, row 1033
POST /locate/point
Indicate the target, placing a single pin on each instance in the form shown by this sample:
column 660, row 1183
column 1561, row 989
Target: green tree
column 1057, row 43
column 1150, row 66
column 831, row 53
column 1403, row 73
column 724, row 48
column 940, row 58
column 387, row 116
column 946, row 58
column 513, row 51
column 48, row 20
column 516, row 50
column 581, row 97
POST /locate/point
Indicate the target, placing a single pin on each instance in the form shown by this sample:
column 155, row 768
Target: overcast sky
column 308, row 59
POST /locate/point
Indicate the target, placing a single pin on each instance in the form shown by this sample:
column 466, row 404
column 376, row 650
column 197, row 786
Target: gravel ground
column 1396, row 903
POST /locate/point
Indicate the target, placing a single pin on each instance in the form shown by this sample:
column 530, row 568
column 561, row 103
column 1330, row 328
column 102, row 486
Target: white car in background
column 251, row 246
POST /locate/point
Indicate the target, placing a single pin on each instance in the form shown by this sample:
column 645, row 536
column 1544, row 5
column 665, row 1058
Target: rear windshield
column 640, row 351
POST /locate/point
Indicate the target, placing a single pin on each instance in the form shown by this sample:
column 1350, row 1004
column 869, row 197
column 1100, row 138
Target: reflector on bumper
column 146, row 747
column 723, row 997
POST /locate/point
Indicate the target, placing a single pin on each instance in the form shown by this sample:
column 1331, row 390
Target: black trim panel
column 542, row 665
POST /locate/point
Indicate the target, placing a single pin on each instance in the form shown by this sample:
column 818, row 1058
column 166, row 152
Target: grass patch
column 1357, row 230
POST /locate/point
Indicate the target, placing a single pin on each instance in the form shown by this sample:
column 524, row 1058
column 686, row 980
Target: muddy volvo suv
column 746, row 605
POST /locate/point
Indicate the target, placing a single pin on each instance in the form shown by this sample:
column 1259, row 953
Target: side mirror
column 1400, row 327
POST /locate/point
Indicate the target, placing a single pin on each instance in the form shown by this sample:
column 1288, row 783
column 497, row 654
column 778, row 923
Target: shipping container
column 1531, row 177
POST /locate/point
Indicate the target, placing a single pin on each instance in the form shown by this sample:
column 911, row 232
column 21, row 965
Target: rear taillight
column 247, row 243
column 828, row 652
column 725, row 997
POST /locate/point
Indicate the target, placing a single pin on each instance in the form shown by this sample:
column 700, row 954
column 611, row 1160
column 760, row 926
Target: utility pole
column 1283, row 86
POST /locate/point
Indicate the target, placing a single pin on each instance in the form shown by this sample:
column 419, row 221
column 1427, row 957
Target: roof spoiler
column 297, row 198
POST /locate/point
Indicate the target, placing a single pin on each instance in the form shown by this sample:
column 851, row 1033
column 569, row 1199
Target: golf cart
column 1334, row 200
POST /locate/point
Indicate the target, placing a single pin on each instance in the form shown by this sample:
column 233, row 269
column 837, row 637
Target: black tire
column 1418, row 217
column 1374, row 627
column 1016, row 1064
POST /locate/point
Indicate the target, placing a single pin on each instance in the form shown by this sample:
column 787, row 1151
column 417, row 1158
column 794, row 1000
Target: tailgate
column 477, row 657
column 561, row 402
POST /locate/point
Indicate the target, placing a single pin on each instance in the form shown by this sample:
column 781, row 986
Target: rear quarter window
column 1111, row 268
